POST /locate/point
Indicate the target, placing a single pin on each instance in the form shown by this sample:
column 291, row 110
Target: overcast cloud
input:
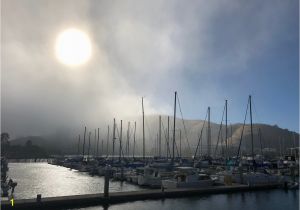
column 140, row 48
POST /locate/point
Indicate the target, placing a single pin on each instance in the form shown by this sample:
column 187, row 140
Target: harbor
column 150, row 105
column 215, row 169
column 73, row 193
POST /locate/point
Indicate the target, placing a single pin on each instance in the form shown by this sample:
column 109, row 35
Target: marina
column 152, row 177
column 150, row 105
column 74, row 192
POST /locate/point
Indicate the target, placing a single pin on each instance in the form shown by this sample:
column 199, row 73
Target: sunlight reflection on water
column 50, row 180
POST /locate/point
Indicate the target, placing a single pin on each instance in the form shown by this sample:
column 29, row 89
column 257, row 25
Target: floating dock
column 122, row 197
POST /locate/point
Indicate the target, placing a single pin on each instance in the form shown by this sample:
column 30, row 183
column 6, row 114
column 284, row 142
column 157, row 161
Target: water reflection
column 50, row 180
column 215, row 202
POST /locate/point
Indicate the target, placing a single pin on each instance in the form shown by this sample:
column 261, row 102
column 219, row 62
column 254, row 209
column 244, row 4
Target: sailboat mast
column 98, row 144
column 252, row 149
column 143, row 129
column 208, row 133
column 226, row 135
column 120, row 148
column 174, row 127
column 114, row 138
column 83, row 141
column 88, row 158
column 134, row 139
column 127, row 147
column 159, row 136
column 168, row 137
column 107, row 143
column 95, row 142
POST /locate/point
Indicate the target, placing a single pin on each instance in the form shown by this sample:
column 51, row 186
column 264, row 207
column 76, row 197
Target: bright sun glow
column 73, row 47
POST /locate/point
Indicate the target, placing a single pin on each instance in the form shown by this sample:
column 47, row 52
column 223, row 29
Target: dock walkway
column 121, row 197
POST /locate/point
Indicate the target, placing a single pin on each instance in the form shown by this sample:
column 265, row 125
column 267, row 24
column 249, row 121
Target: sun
column 73, row 47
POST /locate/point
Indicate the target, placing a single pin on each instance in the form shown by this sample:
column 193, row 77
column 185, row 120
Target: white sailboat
column 188, row 177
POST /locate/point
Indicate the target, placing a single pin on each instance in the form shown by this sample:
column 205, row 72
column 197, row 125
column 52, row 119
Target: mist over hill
column 65, row 142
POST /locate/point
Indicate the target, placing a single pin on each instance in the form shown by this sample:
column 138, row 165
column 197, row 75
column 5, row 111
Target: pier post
column 106, row 181
column 292, row 171
column 38, row 198
column 122, row 172
column 240, row 169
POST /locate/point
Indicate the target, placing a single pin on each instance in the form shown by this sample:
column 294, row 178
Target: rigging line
column 186, row 136
column 219, row 132
column 166, row 138
column 200, row 138
column 242, row 134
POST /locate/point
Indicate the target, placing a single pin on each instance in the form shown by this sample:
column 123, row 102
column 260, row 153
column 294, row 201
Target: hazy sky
column 208, row 51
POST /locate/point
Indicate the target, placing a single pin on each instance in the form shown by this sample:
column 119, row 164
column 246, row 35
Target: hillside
column 271, row 136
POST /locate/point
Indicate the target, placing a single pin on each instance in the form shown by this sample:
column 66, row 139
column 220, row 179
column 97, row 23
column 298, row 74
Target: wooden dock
column 122, row 197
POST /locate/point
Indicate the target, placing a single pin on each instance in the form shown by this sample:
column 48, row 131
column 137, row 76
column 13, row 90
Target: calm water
column 49, row 180
column 268, row 200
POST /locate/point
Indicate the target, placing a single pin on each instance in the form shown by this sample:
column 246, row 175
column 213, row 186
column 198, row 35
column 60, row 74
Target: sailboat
column 253, row 177
column 188, row 177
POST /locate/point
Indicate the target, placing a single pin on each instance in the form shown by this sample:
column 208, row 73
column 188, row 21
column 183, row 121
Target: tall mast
column 157, row 145
column 143, row 129
column 95, row 142
column 252, row 149
column 114, row 138
column 159, row 136
column 107, row 143
column 83, row 141
column 78, row 149
column 127, row 147
column 98, row 144
column 168, row 136
column 120, row 150
column 226, row 135
column 89, row 146
column 134, row 139
column 208, row 133
column 174, row 127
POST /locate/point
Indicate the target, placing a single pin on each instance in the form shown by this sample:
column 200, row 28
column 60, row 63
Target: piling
column 38, row 198
column 106, row 181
